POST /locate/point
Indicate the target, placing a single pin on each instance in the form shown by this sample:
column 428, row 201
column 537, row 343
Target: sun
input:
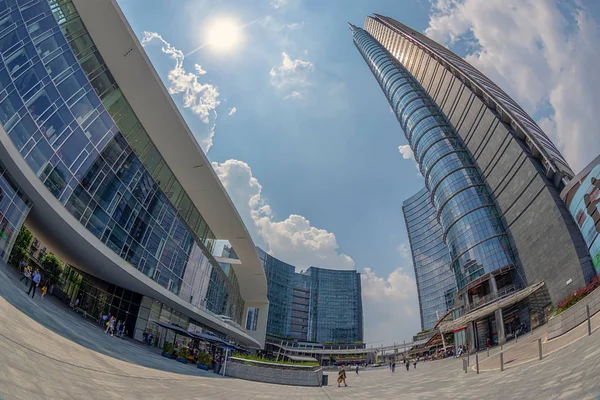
column 223, row 34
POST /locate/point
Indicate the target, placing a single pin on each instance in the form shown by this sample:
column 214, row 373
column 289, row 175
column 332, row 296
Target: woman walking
column 342, row 376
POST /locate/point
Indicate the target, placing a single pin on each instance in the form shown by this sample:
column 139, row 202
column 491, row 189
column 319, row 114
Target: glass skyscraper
column 435, row 279
column 103, row 190
column 492, row 176
column 317, row 305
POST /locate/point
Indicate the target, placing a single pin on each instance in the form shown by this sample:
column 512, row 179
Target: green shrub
column 52, row 267
column 182, row 352
column 205, row 359
column 262, row 359
column 168, row 347
column 20, row 248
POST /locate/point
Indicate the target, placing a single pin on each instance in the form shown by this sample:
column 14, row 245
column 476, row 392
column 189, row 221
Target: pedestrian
column 76, row 308
column 44, row 288
column 415, row 363
column 26, row 275
column 342, row 376
column 390, row 365
column 356, row 368
column 35, row 282
column 111, row 326
column 488, row 343
column 393, row 366
column 118, row 328
column 407, row 362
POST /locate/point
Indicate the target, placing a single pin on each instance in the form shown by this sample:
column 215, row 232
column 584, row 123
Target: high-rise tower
column 492, row 175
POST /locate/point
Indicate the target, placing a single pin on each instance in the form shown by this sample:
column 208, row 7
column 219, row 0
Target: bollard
column 587, row 310
column 502, row 361
column 464, row 365
column 540, row 347
column 477, row 362
column 501, row 346
column 488, row 351
column 468, row 358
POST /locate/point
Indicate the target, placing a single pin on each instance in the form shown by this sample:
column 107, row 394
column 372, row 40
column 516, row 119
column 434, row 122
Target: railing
column 488, row 298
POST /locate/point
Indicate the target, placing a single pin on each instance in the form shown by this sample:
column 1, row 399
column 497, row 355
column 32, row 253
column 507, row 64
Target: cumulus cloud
column 232, row 111
column 293, row 239
column 543, row 54
column 291, row 71
column 294, row 26
column 201, row 98
column 391, row 304
column 278, row 3
column 406, row 152
column 294, row 95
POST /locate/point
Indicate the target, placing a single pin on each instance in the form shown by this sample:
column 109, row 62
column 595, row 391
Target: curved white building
column 101, row 166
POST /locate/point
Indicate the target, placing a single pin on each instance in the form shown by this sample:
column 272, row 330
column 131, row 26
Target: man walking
column 35, row 282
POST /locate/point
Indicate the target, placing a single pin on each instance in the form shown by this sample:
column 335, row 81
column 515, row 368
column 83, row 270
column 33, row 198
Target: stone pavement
column 47, row 352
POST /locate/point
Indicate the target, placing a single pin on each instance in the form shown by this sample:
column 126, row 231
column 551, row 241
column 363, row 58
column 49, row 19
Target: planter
column 182, row 360
column 167, row 355
column 202, row 366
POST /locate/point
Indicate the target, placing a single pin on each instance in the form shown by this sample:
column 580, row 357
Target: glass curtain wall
column 51, row 109
column 472, row 228
column 14, row 207
column 435, row 279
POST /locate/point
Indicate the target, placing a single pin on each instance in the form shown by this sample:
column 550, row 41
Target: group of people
column 406, row 363
column 112, row 326
column 35, row 277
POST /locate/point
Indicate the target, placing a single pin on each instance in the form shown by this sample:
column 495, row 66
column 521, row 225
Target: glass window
column 84, row 107
column 39, row 156
column 71, row 85
column 41, row 26
column 103, row 83
column 39, row 104
column 60, row 64
column 9, row 106
column 81, row 44
column 22, row 131
column 73, row 146
column 49, row 45
column 151, row 158
column 57, row 179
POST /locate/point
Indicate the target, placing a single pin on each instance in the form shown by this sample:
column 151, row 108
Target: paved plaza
column 50, row 352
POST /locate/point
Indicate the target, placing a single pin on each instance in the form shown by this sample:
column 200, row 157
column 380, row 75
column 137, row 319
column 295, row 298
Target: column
column 500, row 326
column 493, row 286
column 471, row 335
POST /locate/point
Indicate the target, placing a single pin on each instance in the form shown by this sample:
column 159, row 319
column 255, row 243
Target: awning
column 302, row 358
column 176, row 328
column 212, row 338
column 461, row 322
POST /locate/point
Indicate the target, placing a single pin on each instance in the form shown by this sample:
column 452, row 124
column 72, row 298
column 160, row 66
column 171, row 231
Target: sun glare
column 223, row 34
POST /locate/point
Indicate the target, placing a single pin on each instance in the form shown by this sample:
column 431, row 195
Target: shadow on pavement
column 58, row 317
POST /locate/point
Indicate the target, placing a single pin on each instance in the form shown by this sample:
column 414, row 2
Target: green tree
column 52, row 267
column 20, row 250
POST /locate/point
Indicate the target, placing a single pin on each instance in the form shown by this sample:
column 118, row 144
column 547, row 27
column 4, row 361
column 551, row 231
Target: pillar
column 493, row 286
column 500, row 326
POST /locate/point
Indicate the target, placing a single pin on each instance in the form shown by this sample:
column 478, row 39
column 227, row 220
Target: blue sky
column 304, row 140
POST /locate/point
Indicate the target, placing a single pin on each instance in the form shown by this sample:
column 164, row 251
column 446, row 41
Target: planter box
column 574, row 315
column 202, row 366
column 182, row 360
column 167, row 355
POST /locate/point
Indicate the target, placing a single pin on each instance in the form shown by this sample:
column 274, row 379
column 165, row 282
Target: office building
column 582, row 196
column 493, row 176
column 435, row 279
column 317, row 305
column 98, row 163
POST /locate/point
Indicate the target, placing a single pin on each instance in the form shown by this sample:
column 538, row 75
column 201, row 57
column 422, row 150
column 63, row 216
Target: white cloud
column 540, row 53
column 391, row 306
column 291, row 71
column 293, row 240
column 406, row 152
column 404, row 250
column 294, row 26
column 278, row 3
column 232, row 111
column 294, row 95
column 201, row 98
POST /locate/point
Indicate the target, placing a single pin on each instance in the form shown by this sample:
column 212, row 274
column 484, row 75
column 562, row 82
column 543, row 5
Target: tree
column 52, row 267
column 20, row 250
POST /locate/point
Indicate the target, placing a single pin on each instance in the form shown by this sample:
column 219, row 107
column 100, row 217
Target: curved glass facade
column 318, row 305
column 435, row 279
column 59, row 104
column 472, row 229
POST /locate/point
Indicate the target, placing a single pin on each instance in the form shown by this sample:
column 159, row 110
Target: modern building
column 493, row 176
column 98, row 163
column 316, row 306
column 582, row 196
column 435, row 279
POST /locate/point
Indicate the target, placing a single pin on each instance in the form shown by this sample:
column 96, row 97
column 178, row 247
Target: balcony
column 481, row 301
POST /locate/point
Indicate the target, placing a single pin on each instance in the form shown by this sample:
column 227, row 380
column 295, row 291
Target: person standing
column 393, row 366
column 26, row 275
column 407, row 362
column 35, row 282
column 356, row 368
column 342, row 376
column 415, row 363
column 44, row 288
